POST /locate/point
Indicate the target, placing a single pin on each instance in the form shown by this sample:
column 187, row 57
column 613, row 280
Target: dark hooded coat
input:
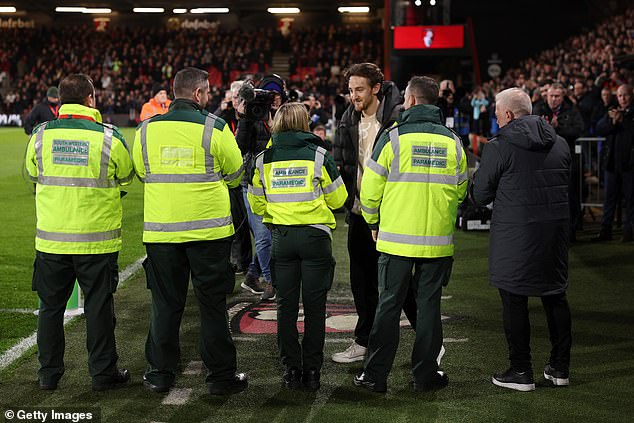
column 525, row 172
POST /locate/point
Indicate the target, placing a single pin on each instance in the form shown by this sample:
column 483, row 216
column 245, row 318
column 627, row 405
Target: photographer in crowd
column 255, row 113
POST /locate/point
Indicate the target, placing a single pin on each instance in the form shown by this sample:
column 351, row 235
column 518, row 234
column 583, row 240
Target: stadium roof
column 49, row 6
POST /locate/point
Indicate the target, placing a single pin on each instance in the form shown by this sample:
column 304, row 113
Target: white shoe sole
column 524, row 387
column 337, row 359
column 556, row 380
column 251, row 290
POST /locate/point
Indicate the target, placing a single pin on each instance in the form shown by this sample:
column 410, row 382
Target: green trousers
column 54, row 277
column 168, row 269
column 395, row 277
column 301, row 261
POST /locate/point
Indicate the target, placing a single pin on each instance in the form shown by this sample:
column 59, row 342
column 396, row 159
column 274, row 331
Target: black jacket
column 252, row 138
column 618, row 152
column 346, row 146
column 42, row 112
column 570, row 122
column 525, row 172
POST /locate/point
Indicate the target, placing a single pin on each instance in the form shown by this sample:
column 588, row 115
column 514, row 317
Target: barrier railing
column 588, row 159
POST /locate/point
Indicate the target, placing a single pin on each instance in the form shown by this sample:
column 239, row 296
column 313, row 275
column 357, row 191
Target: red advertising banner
column 428, row 37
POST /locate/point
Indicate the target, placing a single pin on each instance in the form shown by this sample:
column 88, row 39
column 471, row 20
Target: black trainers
column 48, row 385
column 604, row 235
column 292, row 378
column 238, row 383
column 520, row 381
column 158, row 388
column 269, row 293
column 557, row 377
column 310, row 379
column 252, row 284
column 117, row 381
column 362, row 380
column 438, row 381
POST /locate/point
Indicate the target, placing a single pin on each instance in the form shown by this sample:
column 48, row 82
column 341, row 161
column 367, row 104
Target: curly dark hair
column 370, row 71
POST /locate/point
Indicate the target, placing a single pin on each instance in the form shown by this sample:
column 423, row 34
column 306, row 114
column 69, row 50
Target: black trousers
column 395, row 283
column 241, row 253
column 614, row 183
column 54, row 277
column 364, row 279
column 517, row 329
column 168, row 269
column 301, row 262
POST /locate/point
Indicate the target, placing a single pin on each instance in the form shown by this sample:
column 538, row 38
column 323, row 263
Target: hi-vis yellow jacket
column 413, row 184
column 78, row 164
column 295, row 182
column 186, row 158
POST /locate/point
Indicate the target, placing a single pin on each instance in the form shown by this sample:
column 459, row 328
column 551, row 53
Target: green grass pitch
column 601, row 295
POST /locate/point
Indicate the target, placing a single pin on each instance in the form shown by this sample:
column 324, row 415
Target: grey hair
column 188, row 80
column 516, row 100
column 235, row 87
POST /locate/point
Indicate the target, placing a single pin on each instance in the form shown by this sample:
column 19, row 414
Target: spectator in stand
column 158, row 105
column 601, row 108
column 565, row 118
column 479, row 104
column 585, row 102
column 320, row 131
column 618, row 126
column 46, row 110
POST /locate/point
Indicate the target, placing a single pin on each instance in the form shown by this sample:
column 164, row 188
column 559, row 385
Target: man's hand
column 554, row 122
column 375, row 234
column 616, row 116
column 240, row 107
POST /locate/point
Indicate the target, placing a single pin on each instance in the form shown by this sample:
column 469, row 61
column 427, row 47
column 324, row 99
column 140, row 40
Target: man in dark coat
column 43, row 111
column 375, row 105
column 568, row 123
column 618, row 126
column 525, row 172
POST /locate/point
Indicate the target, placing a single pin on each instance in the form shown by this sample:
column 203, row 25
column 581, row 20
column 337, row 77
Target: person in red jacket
column 158, row 104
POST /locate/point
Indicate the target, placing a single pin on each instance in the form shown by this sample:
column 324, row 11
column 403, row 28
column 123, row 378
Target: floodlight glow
column 418, row 2
column 283, row 10
column 97, row 10
column 7, row 9
column 354, row 9
column 179, row 11
column 70, row 9
column 432, row 2
column 148, row 10
column 210, row 10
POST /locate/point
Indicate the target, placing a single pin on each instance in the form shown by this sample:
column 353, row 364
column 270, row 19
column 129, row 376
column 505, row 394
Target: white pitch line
column 24, row 344
column 177, row 396
column 194, row 368
column 338, row 340
column 244, row 339
column 446, row 297
column 449, row 340
column 17, row 310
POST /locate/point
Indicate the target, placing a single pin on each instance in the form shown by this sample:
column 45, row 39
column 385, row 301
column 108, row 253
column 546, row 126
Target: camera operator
column 255, row 110
column 241, row 252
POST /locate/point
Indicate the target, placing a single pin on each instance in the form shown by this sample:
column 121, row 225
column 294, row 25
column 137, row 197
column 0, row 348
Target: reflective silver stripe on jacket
column 169, row 178
column 333, row 186
column 380, row 170
column 73, row 237
column 65, row 181
column 395, row 174
column 255, row 190
column 369, row 210
column 188, row 226
column 127, row 178
column 323, row 228
column 427, row 240
column 233, row 176
column 461, row 177
column 320, row 156
column 294, row 197
column 38, row 149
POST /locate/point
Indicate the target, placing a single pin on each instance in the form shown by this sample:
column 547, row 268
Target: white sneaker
column 355, row 352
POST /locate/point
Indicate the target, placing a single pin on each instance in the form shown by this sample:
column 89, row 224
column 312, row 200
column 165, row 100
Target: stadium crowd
column 125, row 63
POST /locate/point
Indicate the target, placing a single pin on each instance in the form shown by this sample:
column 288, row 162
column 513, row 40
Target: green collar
column 421, row 113
column 80, row 110
column 184, row 104
column 291, row 138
